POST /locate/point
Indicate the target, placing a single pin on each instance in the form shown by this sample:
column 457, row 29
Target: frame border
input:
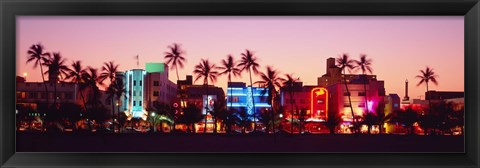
column 11, row 8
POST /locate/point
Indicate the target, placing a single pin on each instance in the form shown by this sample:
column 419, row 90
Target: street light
column 281, row 115
column 154, row 128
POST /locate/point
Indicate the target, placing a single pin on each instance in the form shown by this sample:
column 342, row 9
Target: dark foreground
column 145, row 142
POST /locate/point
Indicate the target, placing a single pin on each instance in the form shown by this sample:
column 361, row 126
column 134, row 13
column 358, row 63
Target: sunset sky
column 398, row 46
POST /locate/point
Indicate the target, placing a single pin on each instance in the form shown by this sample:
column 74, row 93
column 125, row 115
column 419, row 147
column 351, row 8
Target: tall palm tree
column 249, row 63
column 120, row 91
column 92, row 79
column 364, row 64
column 75, row 74
column 229, row 67
column 426, row 76
column 270, row 81
column 109, row 70
column 56, row 69
column 207, row 71
column 345, row 63
column 175, row 57
column 288, row 85
column 38, row 56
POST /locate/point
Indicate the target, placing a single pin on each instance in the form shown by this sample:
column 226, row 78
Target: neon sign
column 319, row 103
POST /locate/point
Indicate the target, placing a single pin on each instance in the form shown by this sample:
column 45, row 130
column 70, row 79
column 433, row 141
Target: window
column 134, row 103
column 346, row 104
column 320, row 101
column 134, row 83
column 140, row 93
column 155, row 93
column 361, row 93
column 140, row 83
column 346, row 94
column 134, row 93
column 140, row 103
column 32, row 95
column 361, row 105
column 235, row 99
column 155, row 83
column 68, row 95
column 43, row 95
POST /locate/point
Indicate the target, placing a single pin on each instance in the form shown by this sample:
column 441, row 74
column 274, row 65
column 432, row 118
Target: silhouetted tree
column 208, row 72
column 38, row 56
column 364, row 65
column 249, row 63
column 229, row 67
column 109, row 71
column 75, row 74
column 426, row 76
column 288, row 83
column 56, row 69
column 345, row 63
column 270, row 82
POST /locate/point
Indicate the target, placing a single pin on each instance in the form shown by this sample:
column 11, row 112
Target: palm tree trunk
column 349, row 100
column 113, row 115
column 430, row 108
column 253, row 102
column 231, row 98
column 206, row 109
column 46, row 90
column 291, row 105
column 365, row 90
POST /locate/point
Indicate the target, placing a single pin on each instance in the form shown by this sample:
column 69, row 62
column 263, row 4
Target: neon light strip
column 244, row 105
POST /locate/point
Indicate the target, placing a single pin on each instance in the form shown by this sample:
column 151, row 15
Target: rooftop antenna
column 136, row 57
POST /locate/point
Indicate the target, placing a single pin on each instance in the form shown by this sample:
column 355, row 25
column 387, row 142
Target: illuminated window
column 235, row 99
column 320, row 101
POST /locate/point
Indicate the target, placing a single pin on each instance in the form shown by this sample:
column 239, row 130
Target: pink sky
column 398, row 46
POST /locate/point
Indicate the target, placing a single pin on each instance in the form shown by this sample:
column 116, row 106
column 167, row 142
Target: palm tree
column 207, row 71
column 288, row 84
column 109, row 70
column 229, row 67
column 75, row 75
column 175, row 57
column 344, row 63
column 425, row 77
column 38, row 56
column 364, row 64
column 249, row 63
column 92, row 78
column 56, row 69
column 270, row 81
column 120, row 90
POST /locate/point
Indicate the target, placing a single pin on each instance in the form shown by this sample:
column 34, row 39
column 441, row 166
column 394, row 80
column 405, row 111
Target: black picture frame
column 9, row 9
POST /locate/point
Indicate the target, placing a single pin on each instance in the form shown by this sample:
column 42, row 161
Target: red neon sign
column 319, row 103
